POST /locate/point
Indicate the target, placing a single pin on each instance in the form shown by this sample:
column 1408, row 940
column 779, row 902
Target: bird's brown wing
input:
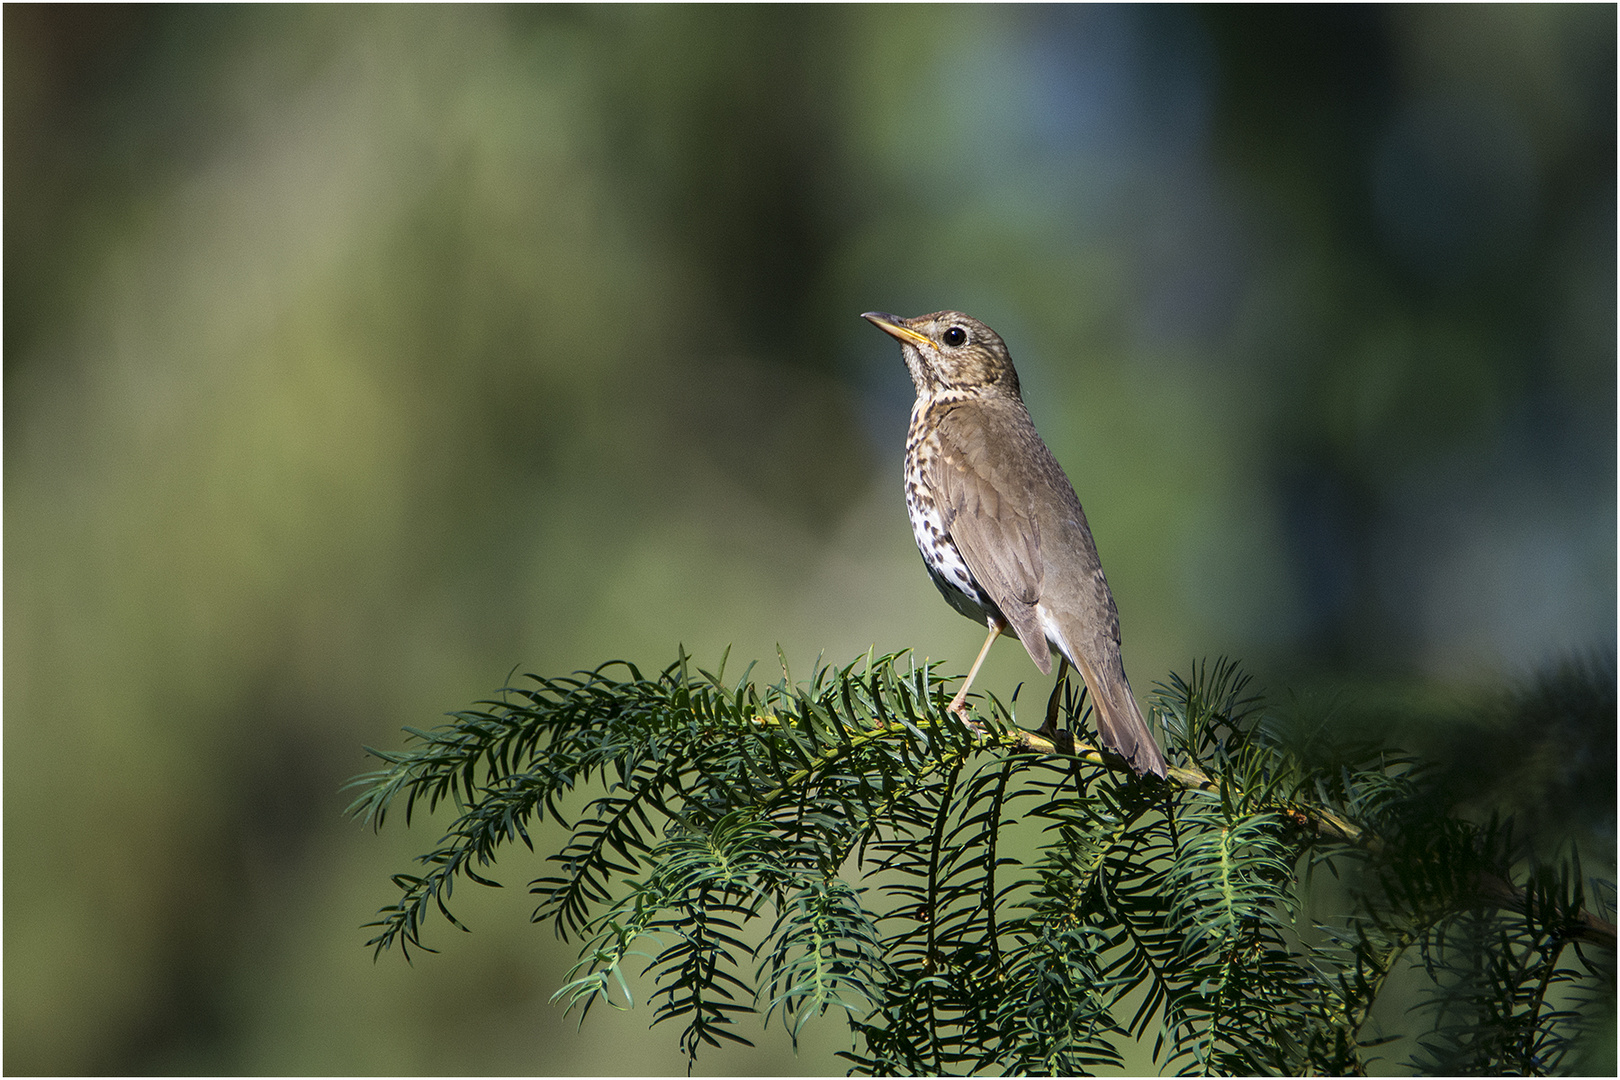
column 994, row 529
column 999, row 531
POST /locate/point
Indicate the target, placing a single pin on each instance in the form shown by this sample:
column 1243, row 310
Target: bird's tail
column 1120, row 722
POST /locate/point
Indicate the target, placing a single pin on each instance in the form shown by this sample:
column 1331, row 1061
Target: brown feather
column 989, row 502
column 999, row 537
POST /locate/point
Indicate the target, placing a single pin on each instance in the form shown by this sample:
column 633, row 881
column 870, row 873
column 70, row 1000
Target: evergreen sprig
column 986, row 901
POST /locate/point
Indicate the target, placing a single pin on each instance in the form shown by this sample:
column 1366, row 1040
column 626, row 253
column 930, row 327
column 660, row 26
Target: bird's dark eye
column 954, row 336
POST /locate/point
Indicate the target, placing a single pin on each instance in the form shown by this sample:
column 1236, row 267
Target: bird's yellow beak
column 891, row 324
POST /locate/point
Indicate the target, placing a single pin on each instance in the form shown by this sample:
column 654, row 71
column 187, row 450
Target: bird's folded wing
column 998, row 537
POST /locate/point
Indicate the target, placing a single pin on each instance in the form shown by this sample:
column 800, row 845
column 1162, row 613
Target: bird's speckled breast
column 940, row 554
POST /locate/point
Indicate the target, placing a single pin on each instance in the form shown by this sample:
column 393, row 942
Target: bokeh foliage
column 356, row 356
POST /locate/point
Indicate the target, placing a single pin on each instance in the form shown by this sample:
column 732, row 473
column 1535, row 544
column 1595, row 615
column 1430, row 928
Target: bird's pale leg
column 1049, row 729
column 956, row 706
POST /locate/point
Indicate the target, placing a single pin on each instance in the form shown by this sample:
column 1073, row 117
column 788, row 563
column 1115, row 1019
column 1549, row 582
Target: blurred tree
column 342, row 341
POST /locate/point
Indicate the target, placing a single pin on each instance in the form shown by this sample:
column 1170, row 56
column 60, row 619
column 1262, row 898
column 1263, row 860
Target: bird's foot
column 1062, row 739
column 965, row 715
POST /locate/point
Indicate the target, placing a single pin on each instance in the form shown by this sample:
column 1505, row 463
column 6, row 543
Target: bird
column 1000, row 527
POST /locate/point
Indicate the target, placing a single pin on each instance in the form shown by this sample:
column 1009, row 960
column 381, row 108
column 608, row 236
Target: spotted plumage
column 946, row 567
column 998, row 524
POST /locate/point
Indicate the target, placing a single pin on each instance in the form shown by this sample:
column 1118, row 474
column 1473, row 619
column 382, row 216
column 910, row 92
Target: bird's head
column 950, row 351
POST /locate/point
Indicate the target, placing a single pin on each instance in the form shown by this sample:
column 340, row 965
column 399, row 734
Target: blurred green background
column 356, row 356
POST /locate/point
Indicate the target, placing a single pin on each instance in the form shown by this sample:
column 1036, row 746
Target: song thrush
column 999, row 525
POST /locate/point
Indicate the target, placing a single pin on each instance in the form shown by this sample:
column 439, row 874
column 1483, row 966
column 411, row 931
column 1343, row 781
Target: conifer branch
column 867, row 830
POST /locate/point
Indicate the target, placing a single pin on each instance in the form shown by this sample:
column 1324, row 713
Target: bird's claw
column 961, row 713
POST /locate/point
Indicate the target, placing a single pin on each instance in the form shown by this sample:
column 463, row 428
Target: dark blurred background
column 356, row 356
